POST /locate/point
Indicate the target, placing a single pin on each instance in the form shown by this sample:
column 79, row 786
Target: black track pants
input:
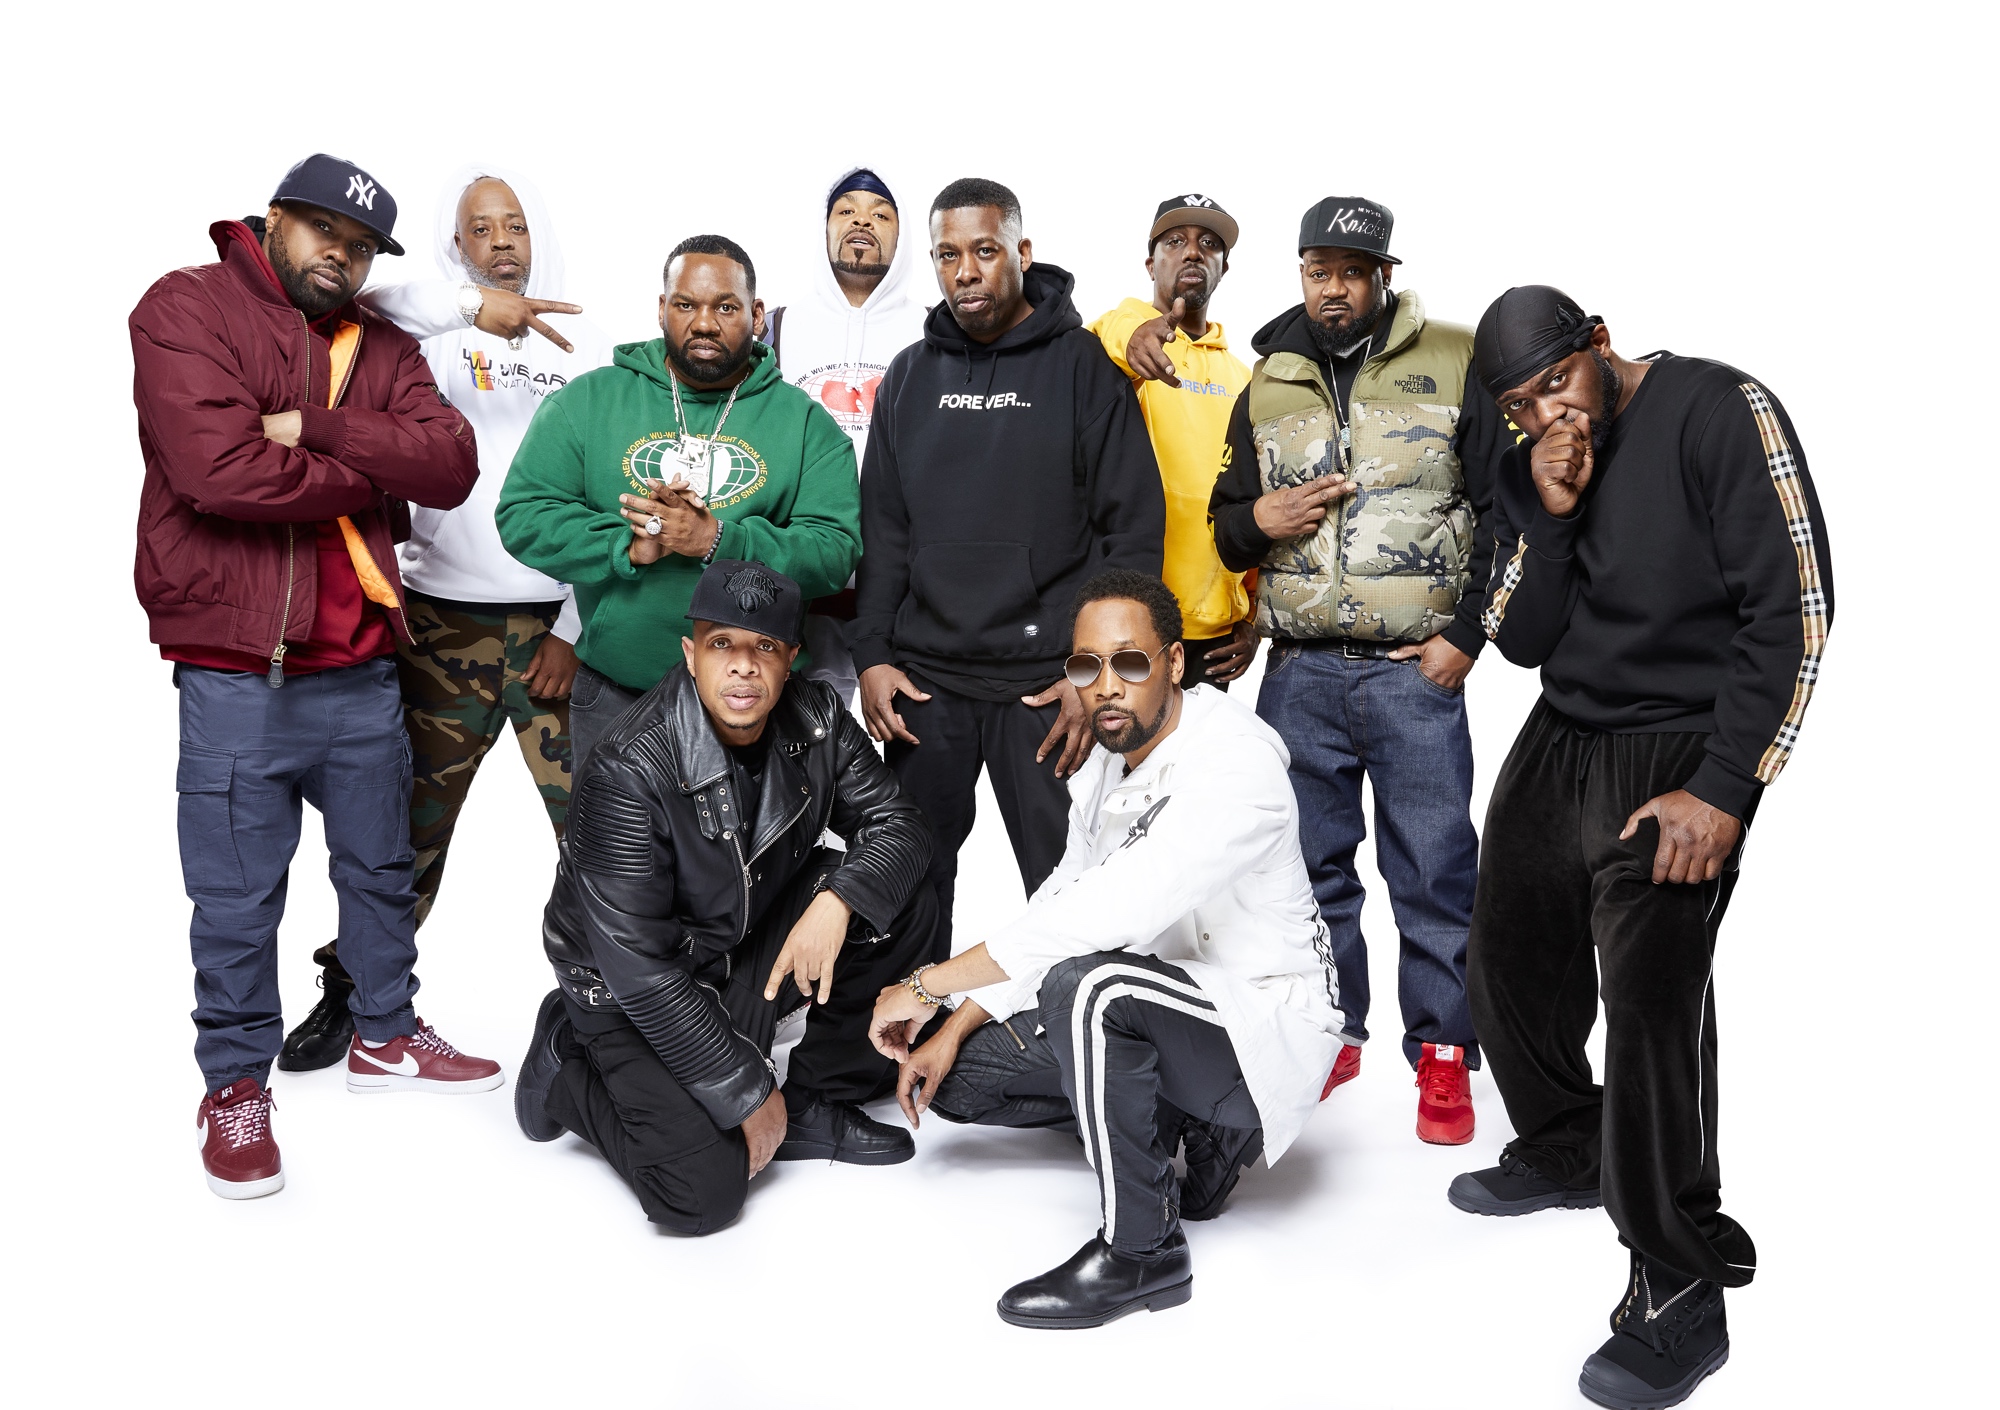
column 1566, row 911
column 940, row 774
column 1134, row 1043
column 691, row 1176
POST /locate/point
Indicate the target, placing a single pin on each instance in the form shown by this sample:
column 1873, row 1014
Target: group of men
column 379, row 526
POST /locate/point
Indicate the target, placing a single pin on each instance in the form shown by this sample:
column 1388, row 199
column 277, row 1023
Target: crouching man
column 1171, row 980
column 693, row 908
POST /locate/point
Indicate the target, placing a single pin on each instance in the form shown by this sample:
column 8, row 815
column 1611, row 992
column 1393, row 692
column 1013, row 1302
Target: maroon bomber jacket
column 226, row 554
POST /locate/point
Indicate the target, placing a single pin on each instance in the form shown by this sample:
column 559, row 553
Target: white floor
column 423, row 1250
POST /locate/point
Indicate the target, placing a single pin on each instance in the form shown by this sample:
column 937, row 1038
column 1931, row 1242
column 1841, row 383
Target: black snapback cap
column 738, row 592
column 1349, row 223
column 1193, row 209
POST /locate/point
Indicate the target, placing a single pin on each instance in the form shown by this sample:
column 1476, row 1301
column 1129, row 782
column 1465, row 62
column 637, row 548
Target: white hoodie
column 1194, row 858
column 456, row 553
column 836, row 352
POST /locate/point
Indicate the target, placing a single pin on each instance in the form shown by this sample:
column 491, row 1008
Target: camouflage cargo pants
column 461, row 682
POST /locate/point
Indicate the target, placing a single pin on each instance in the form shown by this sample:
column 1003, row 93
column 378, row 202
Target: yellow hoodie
column 1188, row 424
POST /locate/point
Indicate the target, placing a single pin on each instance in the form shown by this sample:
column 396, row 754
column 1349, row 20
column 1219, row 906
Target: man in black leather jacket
column 694, row 907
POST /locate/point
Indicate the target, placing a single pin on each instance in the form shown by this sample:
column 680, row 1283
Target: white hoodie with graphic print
column 457, row 553
column 836, row 353
column 1193, row 857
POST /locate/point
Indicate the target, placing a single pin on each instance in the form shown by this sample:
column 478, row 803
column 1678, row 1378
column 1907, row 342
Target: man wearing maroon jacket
column 284, row 428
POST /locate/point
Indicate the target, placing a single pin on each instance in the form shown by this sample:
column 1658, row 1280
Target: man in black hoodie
column 1008, row 462
column 1660, row 554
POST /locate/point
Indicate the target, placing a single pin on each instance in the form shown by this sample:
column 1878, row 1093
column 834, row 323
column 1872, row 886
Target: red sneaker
column 417, row 1062
column 1346, row 1068
column 1444, row 1095
column 237, row 1150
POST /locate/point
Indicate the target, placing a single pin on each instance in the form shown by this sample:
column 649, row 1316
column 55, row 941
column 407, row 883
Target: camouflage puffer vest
column 1390, row 560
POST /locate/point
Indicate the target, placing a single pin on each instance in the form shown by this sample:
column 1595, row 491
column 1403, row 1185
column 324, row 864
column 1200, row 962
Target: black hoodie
column 999, row 477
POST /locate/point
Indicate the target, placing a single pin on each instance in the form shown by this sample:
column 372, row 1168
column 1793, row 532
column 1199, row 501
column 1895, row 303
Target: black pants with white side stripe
column 1565, row 911
column 1134, row 1039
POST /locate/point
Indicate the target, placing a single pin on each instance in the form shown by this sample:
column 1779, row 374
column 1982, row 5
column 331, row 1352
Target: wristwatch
column 470, row 300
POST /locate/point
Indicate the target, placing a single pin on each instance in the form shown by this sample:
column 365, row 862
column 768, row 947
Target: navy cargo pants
column 249, row 756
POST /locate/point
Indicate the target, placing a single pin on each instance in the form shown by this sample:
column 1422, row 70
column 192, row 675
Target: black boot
column 823, row 1130
column 321, row 1038
column 1666, row 1336
column 1216, row 1158
column 553, row 1034
column 1516, row 1187
column 1099, row 1284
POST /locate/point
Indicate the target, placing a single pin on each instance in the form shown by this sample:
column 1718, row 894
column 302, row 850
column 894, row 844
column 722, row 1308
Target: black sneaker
column 1098, row 1284
column 1516, row 1187
column 321, row 1038
column 538, row 1070
column 823, row 1130
column 1216, row 1159
column 1663, row 1343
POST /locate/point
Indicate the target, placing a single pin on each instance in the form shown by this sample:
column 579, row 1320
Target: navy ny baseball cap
column 1349, row 223
column 336, row 185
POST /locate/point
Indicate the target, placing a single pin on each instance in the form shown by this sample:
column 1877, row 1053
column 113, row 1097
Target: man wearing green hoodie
column 687, row 448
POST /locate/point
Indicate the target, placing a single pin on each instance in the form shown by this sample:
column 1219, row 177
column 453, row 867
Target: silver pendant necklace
column 698, row 452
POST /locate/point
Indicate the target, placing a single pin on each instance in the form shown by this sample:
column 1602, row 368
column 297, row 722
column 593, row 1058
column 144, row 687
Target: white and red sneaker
column 237, row 1150
column 1346, row 1068
column 1444, row 1095
column 417, row 1062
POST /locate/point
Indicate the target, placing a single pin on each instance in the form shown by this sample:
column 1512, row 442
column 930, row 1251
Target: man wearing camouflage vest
column 1353, row 478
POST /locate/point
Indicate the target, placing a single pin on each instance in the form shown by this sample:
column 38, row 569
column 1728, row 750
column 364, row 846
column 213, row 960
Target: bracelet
column 916, row 986
column 709, row 557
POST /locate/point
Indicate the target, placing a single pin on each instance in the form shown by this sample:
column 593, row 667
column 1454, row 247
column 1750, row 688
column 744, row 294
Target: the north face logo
column 1417, row 384
column 362, row 190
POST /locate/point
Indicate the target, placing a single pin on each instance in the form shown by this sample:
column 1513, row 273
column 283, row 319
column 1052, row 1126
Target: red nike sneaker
column 417, row 1062
column 237, row 1150
column 1346, row 1068
column 1444, row 1095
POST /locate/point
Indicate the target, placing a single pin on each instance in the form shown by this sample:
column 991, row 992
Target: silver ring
column 516, row 341
column 653, row 527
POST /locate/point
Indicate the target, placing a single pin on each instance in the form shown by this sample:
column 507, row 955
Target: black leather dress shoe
column 538, row 1070
column 823, row 1130
column 1216, row 1157
column 321, row 1038
column 1098, row 1285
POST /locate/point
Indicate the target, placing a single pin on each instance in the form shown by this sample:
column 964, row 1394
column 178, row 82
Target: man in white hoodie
column 1171, row 981
column 836, row 346
column 493, row 638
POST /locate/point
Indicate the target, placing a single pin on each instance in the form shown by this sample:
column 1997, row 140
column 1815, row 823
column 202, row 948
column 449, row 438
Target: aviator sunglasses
column 1131, row 664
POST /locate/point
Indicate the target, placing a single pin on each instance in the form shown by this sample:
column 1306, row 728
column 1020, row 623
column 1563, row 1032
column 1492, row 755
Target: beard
column 1136, row 733
column 1342, row 340
column 708, row 374
column 307, row 297
column 518, row 284
column 1195, row 296
column 1609, row 387
column 871, row 270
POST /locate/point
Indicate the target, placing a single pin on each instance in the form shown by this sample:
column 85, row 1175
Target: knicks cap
column 737, row 592
column 1349, row 223
column 1192, row 210
column 336, row 185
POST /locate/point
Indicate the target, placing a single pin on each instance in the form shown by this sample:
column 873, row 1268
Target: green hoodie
column 789, row 499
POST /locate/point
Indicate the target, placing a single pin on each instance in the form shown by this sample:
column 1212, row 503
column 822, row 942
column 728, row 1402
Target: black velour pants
column 1565, row 911
column 940, row 773
column 690, row 1175
column 1133, row 1044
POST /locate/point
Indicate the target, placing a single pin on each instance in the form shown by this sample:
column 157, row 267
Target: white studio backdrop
column 1791, row 190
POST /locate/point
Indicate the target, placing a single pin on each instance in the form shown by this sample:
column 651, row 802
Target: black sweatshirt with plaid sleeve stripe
column 1691, row 590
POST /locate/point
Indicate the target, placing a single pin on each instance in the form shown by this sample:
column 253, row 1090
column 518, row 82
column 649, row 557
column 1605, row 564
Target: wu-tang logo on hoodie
column 733, row 473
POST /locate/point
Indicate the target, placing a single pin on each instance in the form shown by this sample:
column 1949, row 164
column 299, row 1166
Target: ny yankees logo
column 362, row 190
column 1196, row 201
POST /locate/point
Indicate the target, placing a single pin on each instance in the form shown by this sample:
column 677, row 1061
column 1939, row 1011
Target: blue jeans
column 1342, row 717
column 249, row 755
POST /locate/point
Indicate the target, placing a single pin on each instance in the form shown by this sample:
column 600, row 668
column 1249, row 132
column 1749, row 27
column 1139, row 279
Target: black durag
column 1525, row 330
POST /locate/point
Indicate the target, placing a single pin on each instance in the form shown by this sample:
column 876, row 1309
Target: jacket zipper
column 744, row 863
column 276, row 676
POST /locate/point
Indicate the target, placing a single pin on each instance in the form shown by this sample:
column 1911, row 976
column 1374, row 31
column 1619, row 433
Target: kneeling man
column 691, row 885
column 1170, row 981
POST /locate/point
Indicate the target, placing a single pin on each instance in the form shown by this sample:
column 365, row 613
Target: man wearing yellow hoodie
column 1188, row 381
